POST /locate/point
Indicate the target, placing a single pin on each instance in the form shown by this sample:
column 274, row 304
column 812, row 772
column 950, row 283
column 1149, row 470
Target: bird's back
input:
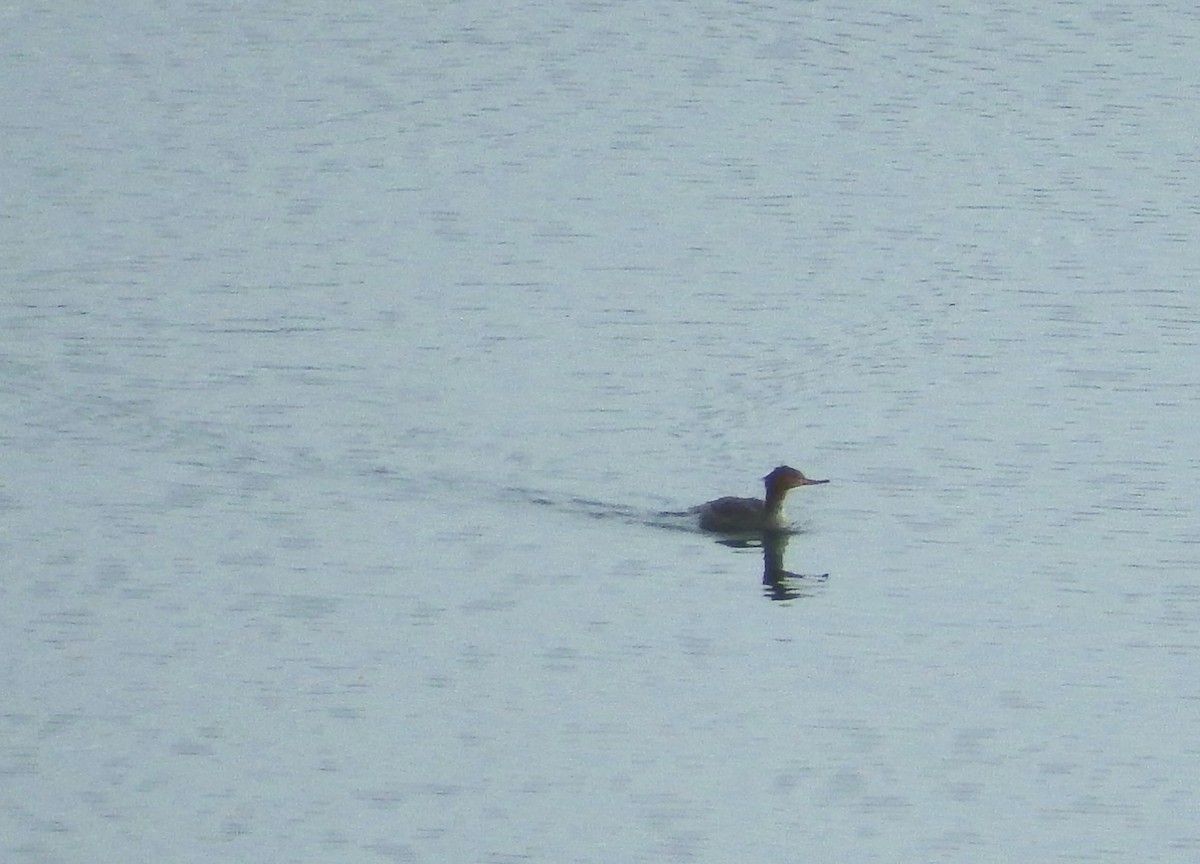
column 732, row 514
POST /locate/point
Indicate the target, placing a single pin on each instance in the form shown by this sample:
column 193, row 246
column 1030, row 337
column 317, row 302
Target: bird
column 731, row 515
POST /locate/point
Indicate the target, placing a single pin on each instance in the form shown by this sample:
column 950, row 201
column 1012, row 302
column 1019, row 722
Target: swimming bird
column 731, row 515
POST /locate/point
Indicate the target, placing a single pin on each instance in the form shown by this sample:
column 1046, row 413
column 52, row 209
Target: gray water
column 352, row 356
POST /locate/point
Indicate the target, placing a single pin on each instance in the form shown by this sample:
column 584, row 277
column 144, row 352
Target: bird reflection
column 778, row 583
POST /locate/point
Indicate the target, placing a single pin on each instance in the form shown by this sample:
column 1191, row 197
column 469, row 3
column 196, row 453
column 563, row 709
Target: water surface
column 352, row 358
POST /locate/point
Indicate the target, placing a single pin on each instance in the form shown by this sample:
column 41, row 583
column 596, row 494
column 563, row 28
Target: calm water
column 352, row 356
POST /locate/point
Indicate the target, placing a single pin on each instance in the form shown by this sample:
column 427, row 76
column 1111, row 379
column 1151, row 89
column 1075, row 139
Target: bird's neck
column 774, row 502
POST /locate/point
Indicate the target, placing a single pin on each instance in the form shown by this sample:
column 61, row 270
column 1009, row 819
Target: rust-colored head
column 784, row 477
